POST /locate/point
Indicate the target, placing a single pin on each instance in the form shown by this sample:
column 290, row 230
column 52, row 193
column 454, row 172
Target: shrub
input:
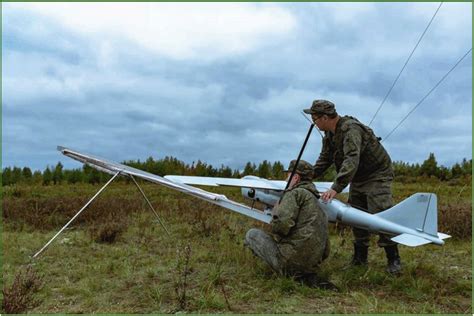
column 108, row 230
column 455, row 219
column 19, row 296
column 182, row 271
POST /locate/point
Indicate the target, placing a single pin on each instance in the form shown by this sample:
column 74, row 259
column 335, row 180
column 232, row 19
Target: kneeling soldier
column 299, row 240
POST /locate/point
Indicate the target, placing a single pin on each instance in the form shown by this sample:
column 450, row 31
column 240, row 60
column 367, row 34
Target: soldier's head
column 304, row 172
column 323, row 113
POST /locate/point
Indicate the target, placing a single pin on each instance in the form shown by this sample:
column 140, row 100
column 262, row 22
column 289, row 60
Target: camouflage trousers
column 372, row 197
column 266, row 248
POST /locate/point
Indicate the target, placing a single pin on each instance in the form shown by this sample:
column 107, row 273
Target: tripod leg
column 151, row 206
column 77, row 214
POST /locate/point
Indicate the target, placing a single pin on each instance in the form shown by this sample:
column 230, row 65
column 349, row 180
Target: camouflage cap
column 321, row 107
column 304, row 169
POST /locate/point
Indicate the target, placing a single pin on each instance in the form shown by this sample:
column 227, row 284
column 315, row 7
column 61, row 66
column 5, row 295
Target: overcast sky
column 226, row 82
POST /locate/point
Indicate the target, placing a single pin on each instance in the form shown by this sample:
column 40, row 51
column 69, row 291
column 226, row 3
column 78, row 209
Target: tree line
column 430, row 168
column 171, row 165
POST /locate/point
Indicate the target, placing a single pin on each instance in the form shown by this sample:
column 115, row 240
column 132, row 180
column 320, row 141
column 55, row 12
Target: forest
column 52, row 175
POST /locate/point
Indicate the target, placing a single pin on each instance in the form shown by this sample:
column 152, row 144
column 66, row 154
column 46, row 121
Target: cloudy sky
column 226, row 82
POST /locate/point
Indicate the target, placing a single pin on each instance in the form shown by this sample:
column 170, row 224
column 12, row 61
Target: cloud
column 203, row 31
column 226, row 82
column 349, row 13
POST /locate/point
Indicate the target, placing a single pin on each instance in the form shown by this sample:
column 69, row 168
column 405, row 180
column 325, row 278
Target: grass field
column 117, row 258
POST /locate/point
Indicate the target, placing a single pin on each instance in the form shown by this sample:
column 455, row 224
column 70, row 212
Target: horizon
column 80, row 166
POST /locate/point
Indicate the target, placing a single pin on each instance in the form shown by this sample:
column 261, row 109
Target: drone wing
column 111, row 167
column 246, row 182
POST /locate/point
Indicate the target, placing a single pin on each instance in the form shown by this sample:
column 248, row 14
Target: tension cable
column 432, row 89
column 406, row 62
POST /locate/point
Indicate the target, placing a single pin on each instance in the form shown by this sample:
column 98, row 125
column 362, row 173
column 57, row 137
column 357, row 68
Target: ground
column 117, row 258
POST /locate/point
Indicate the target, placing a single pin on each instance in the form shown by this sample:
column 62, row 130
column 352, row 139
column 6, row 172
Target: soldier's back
column 304, row 247
column 375, row 162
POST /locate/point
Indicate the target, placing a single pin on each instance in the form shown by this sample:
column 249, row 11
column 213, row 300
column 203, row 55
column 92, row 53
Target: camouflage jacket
column 357, row 154
column 300, row 228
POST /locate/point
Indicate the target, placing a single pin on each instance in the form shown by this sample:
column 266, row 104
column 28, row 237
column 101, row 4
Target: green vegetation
column 404, row 172
column 117, row 258
column 168, row 165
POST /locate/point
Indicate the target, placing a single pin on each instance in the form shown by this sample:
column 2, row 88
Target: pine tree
column 58, row 173
column 200, row 169
column 466, row 166
column 236, row 174
column 456, row 170
column 149, row 165
column 74, row 176
column 277, row 170
column 429, row 166
column 37, row 177
column 26, row 174
column 7, row 176
column 47, row 176
column 249, row 169
column 264, row 170
column 16, row 175
column 211, row 171
column 225, row 172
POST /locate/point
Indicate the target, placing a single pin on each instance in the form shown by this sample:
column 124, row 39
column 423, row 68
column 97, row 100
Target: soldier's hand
column 328, row 195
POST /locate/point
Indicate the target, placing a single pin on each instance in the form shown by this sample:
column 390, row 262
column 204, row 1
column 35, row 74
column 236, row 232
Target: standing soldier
column 299, row 240
column 362, row 162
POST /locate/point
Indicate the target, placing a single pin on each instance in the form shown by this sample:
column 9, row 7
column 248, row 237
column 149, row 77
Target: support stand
column 90, row 201
column 151, row 206
column 77, row 214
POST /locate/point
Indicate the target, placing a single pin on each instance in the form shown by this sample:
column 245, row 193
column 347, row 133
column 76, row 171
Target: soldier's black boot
column 359, row 258
column 360, row 255
column 394, row 264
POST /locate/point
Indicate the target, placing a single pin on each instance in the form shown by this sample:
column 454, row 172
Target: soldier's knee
column 252, row 233
column 252, row 236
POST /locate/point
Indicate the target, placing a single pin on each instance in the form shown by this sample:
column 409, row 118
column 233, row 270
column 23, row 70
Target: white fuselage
column 338, row 211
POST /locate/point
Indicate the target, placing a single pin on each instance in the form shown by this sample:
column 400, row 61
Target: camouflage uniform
column 361, row 161
column 299, row 241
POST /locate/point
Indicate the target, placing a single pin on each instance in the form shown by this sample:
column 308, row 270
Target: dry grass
column 455, row 219
column 19, row 296
column 109, row 229
column 45, row 213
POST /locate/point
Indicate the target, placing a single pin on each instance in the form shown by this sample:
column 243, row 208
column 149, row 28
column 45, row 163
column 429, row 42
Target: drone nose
column 251, row 193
